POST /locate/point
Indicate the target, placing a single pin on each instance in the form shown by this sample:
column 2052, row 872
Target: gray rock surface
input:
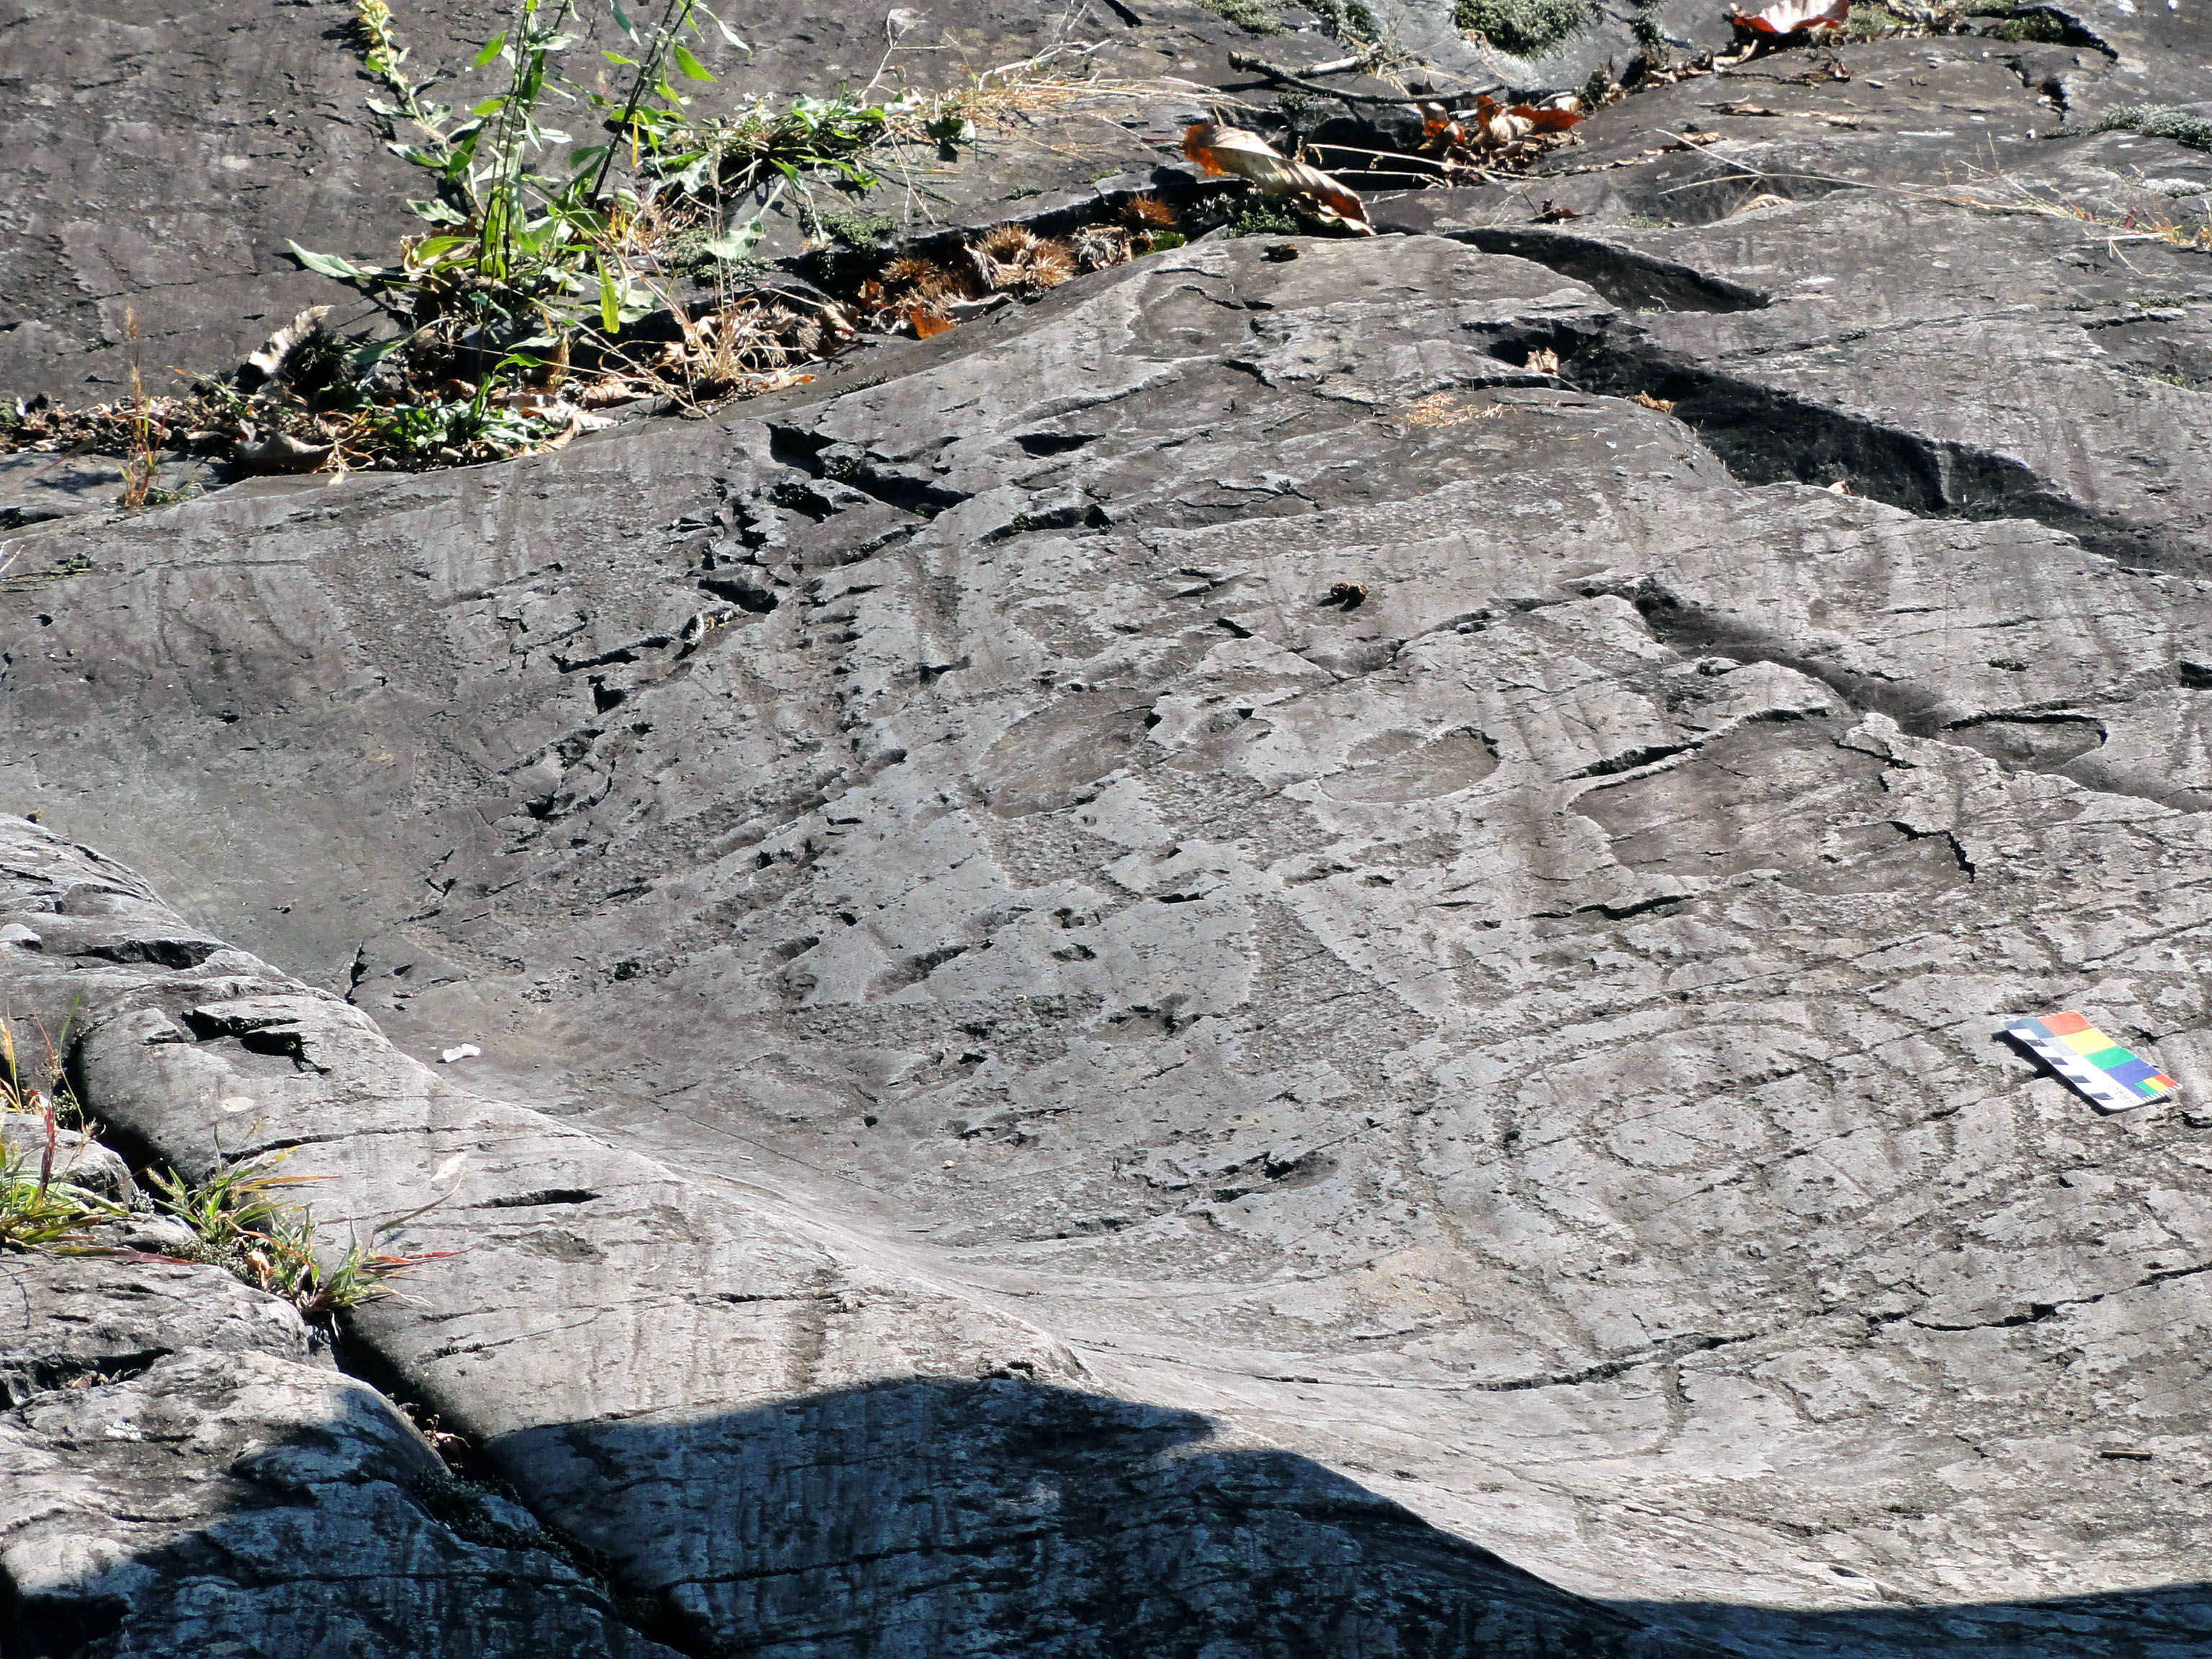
column 1213, row 954
column 79, row 1321
column 631, row 1350
column 246, row 1503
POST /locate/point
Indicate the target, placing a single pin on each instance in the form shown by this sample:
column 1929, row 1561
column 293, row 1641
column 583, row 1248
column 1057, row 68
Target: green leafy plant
column 1254, row 215
column 243, row 1218
column 40, row 1209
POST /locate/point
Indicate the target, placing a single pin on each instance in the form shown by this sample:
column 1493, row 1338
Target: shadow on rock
column 920, row 1516
column 999, row 1516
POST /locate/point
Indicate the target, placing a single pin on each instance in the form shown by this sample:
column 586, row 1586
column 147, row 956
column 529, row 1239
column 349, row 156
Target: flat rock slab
column 1307, row 863
column 628, row 1350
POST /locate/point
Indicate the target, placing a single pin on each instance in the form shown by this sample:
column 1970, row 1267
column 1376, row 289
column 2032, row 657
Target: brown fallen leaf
column 1542, row 361
column 1741, row 109
column 1649, row 402
column 928, row 325
column 280, row 451
column 1222, row 151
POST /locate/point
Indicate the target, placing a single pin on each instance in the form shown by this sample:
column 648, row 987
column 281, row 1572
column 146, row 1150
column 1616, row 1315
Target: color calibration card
column 2112, row 1076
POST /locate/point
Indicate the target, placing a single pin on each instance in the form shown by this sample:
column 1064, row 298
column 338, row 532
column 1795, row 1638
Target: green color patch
column 1252, row 16
column 1527, row 28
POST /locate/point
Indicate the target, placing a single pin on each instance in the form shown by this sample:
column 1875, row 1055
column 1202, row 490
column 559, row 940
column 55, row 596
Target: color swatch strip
column 2111, row 1076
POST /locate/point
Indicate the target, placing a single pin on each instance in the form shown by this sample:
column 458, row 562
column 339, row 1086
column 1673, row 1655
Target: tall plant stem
column 662, row 35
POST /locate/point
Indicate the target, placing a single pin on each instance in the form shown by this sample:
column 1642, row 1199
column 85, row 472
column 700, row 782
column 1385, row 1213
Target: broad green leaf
column 610, row 301
column 689, row 64
column 690, row 178
column 621, row 19
column 736, row 243
column 374, row 353
column 728, row 33
column 438, row 213
column 491, row 50
column 328, row 264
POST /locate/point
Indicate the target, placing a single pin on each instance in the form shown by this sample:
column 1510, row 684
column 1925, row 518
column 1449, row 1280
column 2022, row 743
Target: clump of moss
column 2159, row 121
column 1252, row 16
column 1527, row 28
column 2041, row 27
column 1870, row 20
column 854, row 228
column 1270, row 216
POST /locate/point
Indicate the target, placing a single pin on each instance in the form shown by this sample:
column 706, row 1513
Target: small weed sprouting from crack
column 2173, row 375
column 1255, row 215
column 40, row 1208
column 241, row 1219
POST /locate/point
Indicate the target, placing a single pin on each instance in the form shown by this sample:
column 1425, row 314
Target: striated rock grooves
column 787, row 1445
column 1203, row 969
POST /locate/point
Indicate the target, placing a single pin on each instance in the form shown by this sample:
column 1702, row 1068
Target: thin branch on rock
column 1282, row 77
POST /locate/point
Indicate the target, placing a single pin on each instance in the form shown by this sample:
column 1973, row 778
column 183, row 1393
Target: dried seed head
column 911, row 270
column 1098, row 248
column 1008, row 244
column 1048, row 264
column 804, row 337
column 1148, row 213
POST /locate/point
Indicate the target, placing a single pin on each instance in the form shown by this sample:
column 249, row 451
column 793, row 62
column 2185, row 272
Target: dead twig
column 1282, row 77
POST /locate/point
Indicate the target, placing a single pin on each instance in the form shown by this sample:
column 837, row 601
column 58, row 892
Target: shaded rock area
column 1301, row 951
column 190, row 1481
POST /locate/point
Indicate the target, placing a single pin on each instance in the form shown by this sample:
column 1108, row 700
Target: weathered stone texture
column 1212, row 966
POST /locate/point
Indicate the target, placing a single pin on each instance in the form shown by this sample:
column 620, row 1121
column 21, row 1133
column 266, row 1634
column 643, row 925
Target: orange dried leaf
column 927, row 325
column 1222, row 150
column 1549, row 119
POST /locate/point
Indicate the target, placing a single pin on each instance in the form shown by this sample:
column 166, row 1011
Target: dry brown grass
column 1441, row 409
